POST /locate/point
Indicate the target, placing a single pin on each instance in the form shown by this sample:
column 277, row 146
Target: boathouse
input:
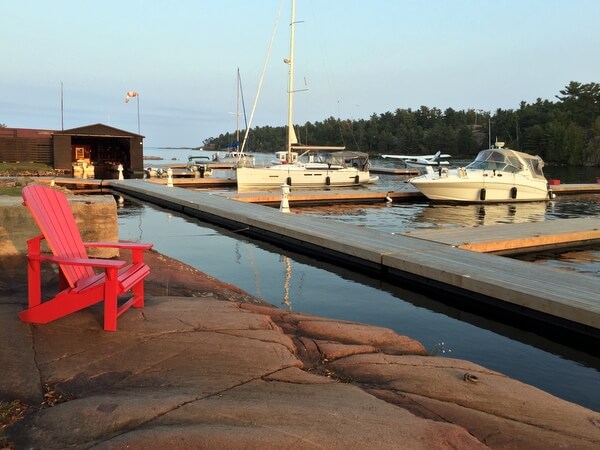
column 100, row 145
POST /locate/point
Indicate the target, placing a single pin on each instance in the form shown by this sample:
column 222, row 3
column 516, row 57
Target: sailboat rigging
column 342, row 168
column 236, row 156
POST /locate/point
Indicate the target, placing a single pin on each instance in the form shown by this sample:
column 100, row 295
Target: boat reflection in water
column 397, row 218
column 286, row 283
column 469, row 215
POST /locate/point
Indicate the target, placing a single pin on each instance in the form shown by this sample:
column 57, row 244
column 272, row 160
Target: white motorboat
column 497, row 174
column 236, row 158
column 295, row 167
column 199, row 166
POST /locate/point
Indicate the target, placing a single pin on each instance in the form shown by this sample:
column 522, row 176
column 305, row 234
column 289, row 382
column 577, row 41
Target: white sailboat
column 346, row 169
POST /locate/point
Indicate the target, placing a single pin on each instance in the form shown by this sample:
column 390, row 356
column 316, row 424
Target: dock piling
column 285, row 204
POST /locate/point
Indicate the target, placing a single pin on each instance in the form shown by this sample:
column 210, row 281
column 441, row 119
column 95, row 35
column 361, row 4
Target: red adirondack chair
column 79, row 284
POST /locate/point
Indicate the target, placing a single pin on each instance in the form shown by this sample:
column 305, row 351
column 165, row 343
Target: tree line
column 565, row 131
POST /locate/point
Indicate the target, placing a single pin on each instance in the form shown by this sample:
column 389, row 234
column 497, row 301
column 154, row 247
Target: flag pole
column 129, row 96
column 62, row 108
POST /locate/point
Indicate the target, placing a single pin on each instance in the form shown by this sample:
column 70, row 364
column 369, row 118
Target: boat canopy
column 349, row 158
column 506, row 160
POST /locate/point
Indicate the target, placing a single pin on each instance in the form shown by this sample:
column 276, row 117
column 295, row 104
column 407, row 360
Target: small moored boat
column 199, row 166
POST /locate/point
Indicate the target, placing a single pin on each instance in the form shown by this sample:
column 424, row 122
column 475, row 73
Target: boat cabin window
column 495, row 160
column 535, row 166
column 282, row 157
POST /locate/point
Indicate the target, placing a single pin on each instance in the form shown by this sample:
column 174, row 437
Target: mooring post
column 284, row 206
column 170, row 177
column 120, row 170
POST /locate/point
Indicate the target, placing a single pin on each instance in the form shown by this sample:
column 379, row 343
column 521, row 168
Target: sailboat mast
column 291, row 136
column 237, row 111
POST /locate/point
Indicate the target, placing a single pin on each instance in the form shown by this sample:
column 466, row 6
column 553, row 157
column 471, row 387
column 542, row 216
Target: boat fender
column 289, row 181
column 356, row 179
column 513, row 192
column 328, row 181
column 482, row 194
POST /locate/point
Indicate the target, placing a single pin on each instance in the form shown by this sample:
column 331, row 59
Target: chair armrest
column 92, row 262
column 123, row 245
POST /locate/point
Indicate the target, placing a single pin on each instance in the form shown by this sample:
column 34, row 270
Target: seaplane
column 422, row 162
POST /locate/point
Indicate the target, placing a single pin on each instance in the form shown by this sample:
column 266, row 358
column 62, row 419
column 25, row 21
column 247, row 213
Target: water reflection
column 582, row 260
column 303, row 284
column 402, row 217
column 572, row 206
column 287, row 302
column 444, row 215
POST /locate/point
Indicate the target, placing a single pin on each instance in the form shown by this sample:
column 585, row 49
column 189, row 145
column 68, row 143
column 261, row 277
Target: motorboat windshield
column 493, row 159
column 505, row 160
column 535, row 164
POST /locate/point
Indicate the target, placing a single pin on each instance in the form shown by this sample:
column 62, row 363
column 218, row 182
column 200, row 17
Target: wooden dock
column 360, row 194
column 505, row 239
column 577, row 188
column 191, row 182
column 524, row 290
column 332, row 196
column 187, row 182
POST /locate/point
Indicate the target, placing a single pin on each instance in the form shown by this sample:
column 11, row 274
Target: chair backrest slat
column 52, row 213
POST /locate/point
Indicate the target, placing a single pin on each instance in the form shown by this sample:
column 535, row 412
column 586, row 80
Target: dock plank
column 566, row 296
column 576, row 188
column 507, row 238
column 333, row 196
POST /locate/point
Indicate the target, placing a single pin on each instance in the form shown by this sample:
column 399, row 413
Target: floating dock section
column 505, row 239
column 524, row 290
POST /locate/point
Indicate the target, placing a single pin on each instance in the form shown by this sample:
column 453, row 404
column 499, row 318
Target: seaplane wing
column 418, row 157
column 395, row 156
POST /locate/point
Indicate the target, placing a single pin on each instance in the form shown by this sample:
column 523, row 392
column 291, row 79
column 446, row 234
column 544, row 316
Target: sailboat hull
column 273, row 177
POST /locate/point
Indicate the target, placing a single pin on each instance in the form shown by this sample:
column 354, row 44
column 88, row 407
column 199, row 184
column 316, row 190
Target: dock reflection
column 303, row 284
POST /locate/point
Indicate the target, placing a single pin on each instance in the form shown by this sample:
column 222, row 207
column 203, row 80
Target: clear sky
column 355, row 57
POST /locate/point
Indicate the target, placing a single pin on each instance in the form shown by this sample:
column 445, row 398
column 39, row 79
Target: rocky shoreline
column 206, row 365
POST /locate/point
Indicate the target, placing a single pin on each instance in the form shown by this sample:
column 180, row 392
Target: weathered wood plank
column 565, row 295
column 510, row 237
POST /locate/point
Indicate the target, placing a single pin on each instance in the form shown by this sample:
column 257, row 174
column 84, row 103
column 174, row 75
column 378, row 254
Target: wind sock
column 130, row 95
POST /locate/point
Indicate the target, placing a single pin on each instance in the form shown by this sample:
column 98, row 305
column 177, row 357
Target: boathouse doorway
column 100, row 147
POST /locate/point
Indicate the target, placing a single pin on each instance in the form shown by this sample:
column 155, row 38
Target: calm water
column 303, row 284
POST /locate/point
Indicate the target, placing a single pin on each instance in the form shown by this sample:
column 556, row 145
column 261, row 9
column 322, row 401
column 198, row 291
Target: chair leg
column 138, row 293
column 110, row 300
column 34, row 271
column 34, row 282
